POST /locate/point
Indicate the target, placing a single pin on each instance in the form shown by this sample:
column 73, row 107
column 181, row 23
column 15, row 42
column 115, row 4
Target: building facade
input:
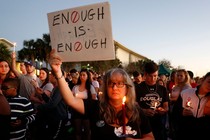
column 125, row 55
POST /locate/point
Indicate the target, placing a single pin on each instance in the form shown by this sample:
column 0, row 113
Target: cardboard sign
column 82, row 33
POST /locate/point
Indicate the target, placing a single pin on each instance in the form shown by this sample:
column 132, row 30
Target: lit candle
column 188, row 103
column 124, row 116
column 155, row 105
column 14, row 47
column 76, row 95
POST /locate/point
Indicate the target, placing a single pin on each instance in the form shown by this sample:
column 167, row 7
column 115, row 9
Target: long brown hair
column 107, row 111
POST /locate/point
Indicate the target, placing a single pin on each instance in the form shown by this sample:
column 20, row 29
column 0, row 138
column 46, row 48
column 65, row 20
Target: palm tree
column 28, row 52
column 5, row 52
column 47, row 47
column 36, row 50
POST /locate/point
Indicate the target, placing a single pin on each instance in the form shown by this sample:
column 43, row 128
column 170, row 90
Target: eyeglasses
column 6, row 88
column 119, row 84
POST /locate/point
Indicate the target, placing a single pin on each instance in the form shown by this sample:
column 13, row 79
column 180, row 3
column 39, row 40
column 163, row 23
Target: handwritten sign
column 82, row 33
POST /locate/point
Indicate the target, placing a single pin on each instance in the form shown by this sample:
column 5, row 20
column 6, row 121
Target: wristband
column 57, row 78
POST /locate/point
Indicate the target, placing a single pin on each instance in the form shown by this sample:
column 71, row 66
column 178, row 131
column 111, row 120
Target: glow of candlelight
column 124, row 116
column 188, row 103
column 124, row 99
column 100, row 93
column 76, row 95
column 14, row 47
column 155, row 105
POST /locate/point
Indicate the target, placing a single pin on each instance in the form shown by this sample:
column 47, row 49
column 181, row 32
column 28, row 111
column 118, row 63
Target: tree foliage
column 136, row 66
column 5, row 53
column 102, row 66
column 38, row 49
column 166, row 63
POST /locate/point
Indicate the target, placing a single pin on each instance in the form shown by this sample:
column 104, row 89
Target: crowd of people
column 83, row 105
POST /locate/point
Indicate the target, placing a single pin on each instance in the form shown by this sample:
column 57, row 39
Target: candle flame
column 189, row 103
column 124, row 99
column 100, row 93
column 155, row 104
column 14, row 44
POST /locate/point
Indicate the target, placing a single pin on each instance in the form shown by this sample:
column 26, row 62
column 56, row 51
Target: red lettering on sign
column 78, row 46
column 74, row 16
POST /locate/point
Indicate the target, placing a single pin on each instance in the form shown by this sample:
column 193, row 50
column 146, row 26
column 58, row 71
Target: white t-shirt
column 82, row 94
column 95, row 83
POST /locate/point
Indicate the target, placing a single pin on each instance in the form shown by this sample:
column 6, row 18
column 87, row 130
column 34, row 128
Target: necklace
column 151, row 89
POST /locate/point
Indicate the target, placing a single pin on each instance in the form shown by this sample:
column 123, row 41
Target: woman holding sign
column 107, row 119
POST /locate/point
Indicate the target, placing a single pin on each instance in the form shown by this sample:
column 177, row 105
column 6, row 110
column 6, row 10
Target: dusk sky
column 175, row 30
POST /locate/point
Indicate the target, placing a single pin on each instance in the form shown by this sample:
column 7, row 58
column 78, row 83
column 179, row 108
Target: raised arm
column 76, row 103
column 14, row 69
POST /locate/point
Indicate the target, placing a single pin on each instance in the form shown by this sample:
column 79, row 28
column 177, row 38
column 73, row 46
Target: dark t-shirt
column 147, row 97
column 100, row 130
column 4, row 127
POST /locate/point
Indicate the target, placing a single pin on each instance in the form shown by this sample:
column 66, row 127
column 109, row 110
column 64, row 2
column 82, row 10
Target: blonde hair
column 186, row 80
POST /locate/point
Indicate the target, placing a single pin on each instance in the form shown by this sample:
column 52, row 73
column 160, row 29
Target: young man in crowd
column 153, row 99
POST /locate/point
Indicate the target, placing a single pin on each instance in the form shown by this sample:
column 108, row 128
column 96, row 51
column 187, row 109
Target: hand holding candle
column 188, row 104
column 124, row 115
column 100, row 93
column 154, row 105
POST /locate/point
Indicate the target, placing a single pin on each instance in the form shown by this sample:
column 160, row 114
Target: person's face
column 4, row 68
column 116, row 87
column 8, row 90
column 151, row 79
column 30, row 69
column 74, row 80
column 83, row 76
column 52, row 79
column 100, row 81
column 42, row 75
column 160, row 83
column 180, row 77
column 206, row 84
column 138, row 79
column 22, row 67
column 163, row 77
